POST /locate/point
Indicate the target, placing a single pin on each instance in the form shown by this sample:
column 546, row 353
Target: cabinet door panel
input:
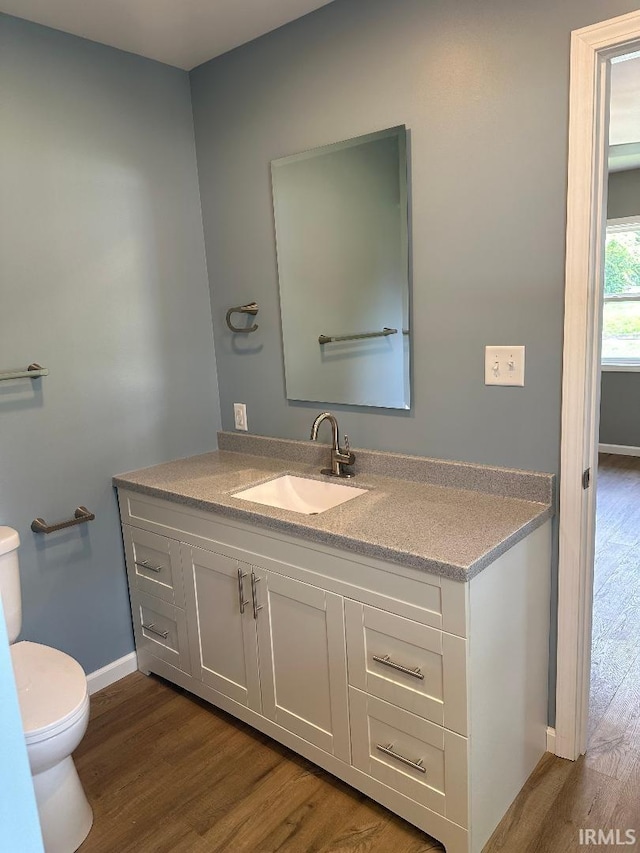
column 224, row 639
column 302, row 661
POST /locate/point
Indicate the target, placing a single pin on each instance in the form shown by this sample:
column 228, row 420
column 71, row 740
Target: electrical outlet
column 240, row 415
column 504, row 365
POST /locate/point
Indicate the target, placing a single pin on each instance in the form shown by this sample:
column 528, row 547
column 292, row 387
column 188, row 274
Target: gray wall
column 624, row 194
column 103, row 281
column 620, row 392
column 483, row 89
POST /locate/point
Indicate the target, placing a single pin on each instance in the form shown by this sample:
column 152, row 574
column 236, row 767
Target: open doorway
column 615, row 649
column 594, row 51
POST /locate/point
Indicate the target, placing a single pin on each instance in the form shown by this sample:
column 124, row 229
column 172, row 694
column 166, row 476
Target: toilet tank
column 10, row 581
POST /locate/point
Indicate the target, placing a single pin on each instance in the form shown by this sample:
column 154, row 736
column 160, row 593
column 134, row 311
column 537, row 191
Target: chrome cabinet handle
column 254, row 595
column 144, row 564
column 386, row 660
column 151, row 627
column 241, row 576
column 388, row 750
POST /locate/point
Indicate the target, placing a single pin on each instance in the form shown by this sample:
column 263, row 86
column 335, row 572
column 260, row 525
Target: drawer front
column 422, row 597
column 423, row 761
column 153, row 564
column 418, row 668
column 161, row 630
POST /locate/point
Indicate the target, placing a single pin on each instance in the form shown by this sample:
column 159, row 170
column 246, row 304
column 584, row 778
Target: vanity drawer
column 161, row 630
column 423, row 761
column 153, row 564
column 418, row 668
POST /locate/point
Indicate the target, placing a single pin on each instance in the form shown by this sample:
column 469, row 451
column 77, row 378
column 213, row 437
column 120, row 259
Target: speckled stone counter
column 446, row 518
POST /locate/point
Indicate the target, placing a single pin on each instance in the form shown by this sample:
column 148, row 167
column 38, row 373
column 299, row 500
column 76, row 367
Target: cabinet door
column 302, row 660
column 221, row 624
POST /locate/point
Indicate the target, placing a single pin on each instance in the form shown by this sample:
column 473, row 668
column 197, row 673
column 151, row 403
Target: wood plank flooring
column 167, row 773
column 602, row 789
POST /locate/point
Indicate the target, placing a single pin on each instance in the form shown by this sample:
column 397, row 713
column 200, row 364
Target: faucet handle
column 350, row 457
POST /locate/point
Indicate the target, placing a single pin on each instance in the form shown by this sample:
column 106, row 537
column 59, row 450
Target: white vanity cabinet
column 427, row 694
column 271, row 643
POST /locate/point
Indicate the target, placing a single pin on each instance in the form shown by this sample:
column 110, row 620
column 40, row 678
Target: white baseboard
column 620, row 449
column 112, row 672
column 551, row 740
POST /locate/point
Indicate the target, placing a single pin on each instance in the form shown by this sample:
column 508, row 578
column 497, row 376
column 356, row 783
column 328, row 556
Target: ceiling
column 624, row 122
column 184, row 33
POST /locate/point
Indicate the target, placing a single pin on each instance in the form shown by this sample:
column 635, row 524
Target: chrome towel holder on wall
column 80, row 516
column 249, row 308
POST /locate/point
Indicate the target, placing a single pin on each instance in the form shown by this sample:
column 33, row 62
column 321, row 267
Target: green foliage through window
column 621, row 316
column 621, row 266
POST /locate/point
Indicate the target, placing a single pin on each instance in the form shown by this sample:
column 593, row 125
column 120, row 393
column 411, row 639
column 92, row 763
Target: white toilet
column 54, row 704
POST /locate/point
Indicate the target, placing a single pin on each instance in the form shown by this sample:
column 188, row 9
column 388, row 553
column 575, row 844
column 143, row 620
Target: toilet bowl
column 54, row 705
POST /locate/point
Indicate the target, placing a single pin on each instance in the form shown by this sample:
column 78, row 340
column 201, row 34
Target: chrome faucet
column 339, row 456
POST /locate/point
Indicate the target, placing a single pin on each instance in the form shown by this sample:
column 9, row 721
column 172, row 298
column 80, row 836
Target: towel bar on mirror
column 32, row 372
column 327, row 339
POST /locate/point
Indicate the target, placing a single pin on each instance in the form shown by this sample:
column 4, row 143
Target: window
column 621, row 311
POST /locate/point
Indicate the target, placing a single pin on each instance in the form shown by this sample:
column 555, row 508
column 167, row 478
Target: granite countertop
column 446, row 518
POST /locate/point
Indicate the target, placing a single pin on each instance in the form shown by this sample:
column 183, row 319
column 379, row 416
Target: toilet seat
column 52, row 689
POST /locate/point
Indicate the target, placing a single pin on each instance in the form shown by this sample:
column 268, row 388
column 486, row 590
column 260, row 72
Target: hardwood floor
column 616, row 606
column 167, row 773
column 602, row 789
column 164, row 771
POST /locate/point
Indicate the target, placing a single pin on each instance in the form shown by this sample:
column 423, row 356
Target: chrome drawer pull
column 144, row 564
column 241, row 576
column 386, row 660
column 154, row 630
column 388, row 750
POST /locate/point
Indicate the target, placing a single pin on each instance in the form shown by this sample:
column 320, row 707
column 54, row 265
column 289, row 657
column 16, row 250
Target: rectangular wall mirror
column 343, row 269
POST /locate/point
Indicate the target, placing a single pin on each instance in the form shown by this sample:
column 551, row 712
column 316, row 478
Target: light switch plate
column 240, row 416
column 504, row 365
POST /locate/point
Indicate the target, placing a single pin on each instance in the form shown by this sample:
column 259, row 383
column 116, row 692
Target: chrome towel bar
column 82, row 514
column 326, row 339
column 32, row 372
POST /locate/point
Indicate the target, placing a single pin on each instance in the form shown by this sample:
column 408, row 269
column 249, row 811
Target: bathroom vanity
column 399, row 640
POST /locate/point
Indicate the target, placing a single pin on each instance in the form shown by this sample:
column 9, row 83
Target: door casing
column 591, row 51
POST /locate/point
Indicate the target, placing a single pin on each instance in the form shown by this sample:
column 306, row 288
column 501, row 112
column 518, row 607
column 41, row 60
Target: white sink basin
column 300, row 494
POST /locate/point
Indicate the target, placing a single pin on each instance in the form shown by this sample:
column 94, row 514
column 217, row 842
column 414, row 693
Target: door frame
column 591, row 50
